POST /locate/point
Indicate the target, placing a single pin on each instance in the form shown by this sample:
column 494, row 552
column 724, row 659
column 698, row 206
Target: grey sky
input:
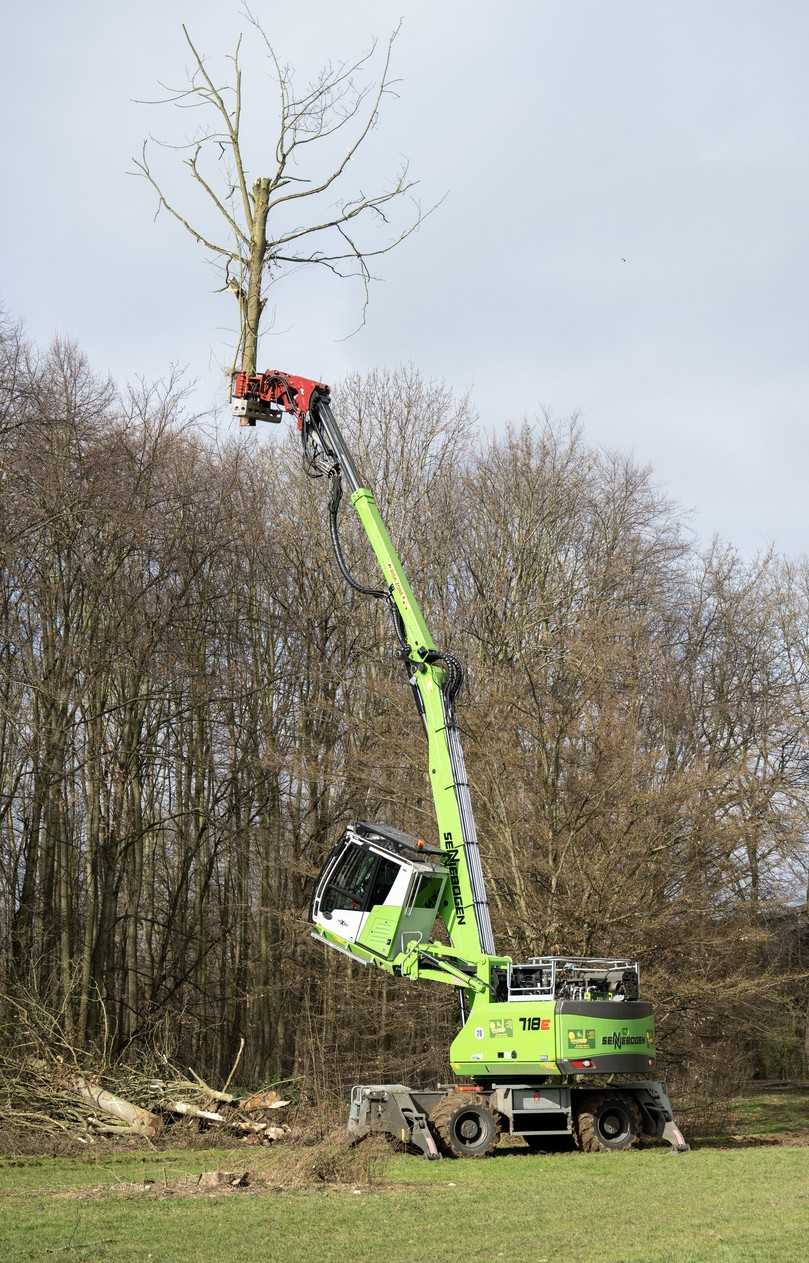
column 571, row 135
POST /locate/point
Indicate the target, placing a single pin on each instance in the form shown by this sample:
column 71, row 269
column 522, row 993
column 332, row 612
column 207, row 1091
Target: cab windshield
column 362, row 880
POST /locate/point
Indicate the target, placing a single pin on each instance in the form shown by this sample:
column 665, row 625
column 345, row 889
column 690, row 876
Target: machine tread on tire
column 448, row 1116
column 588, row 1115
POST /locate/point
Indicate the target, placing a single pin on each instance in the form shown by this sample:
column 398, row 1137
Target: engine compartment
column 569, row 978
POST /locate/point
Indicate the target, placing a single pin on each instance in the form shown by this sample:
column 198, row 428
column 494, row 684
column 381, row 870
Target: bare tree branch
column 192, row 165
column 231, row 125
column 143, row 166
column 370, row 122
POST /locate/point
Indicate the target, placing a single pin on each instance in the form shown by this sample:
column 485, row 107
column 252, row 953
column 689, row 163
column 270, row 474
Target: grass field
column 749, row 1202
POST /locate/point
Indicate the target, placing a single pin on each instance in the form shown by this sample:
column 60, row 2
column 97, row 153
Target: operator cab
column 379, row 889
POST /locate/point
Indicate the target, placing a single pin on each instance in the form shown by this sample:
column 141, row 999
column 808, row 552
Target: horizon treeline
column 193, row 704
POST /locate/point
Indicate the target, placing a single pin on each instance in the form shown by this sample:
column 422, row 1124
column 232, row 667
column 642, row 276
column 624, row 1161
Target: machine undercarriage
column 467, row 1121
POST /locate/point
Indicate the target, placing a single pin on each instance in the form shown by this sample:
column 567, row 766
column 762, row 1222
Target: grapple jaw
column 268, row 396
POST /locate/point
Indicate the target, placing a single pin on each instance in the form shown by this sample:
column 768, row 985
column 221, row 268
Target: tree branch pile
column 50, row 1087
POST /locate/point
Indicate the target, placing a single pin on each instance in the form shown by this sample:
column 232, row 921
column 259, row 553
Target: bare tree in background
column 266, row 225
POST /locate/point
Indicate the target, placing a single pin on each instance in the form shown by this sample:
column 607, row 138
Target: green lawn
column 771, row 1113
column 643, row 1207
column 23, row 1175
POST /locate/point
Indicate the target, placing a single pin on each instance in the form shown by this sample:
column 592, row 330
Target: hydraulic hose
column 329, row 458
column 342, row 565
column 453, row 673
column 334, row 508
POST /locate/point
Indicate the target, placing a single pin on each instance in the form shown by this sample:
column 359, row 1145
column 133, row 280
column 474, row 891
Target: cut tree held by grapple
column 540, row 1041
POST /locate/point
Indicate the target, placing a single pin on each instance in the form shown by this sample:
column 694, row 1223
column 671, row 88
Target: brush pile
column 49, row 1087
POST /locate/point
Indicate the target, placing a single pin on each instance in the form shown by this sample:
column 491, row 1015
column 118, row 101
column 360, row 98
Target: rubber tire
column 449, row 1113
column 589, row 1134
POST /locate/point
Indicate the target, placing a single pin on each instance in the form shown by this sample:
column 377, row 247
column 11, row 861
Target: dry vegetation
column 191, row 706
column 53, row 1091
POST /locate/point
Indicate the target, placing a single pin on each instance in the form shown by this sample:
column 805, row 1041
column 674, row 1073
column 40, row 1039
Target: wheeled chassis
column 526, row 1109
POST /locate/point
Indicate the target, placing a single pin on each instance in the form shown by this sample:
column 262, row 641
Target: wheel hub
column 612, row 1125
column 468, row 1128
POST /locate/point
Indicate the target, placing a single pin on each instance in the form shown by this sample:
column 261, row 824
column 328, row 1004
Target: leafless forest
column 192, row 704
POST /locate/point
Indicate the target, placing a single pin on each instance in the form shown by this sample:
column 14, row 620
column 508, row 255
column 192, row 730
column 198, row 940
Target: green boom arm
column 464, row 910
column 435, row 678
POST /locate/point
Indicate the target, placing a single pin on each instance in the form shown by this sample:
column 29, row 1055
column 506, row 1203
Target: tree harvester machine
column 553, row 1047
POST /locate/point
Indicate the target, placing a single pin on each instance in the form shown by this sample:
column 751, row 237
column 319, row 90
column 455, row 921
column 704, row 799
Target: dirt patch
column 207, row 1183
column 794, row 1140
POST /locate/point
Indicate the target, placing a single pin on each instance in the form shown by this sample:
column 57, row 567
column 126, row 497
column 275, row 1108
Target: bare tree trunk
column 254, row 305
column 92, row 795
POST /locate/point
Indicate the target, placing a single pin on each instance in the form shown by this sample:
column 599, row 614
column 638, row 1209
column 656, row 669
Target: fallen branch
column 238, row 1058
column 137, row 1120
column 227, row 1098
column 193, row 1111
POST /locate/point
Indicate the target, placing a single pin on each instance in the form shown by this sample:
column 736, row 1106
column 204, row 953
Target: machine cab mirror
column 379, row 889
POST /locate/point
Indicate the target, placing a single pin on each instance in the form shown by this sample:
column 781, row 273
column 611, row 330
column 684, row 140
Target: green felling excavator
column 553, row 1047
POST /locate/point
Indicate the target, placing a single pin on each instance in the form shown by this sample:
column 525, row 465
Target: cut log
column 262, row 1101
column 141, row 1121
column 223, row 1179
column 102, row 1128
column 265, row 1130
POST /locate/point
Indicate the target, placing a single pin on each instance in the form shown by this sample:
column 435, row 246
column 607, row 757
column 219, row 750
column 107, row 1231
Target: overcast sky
column 624, row 236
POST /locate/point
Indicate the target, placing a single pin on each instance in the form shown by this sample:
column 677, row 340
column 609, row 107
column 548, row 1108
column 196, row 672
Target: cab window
column 383, row 881
column 428, row 892
column 362, row 879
